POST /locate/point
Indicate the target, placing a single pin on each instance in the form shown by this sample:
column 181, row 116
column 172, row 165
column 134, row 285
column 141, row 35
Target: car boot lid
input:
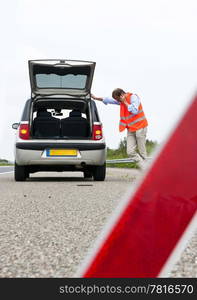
column 61, row 77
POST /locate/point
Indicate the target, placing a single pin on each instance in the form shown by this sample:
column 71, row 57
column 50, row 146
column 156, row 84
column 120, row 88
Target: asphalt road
column 5, row 169
column 49, row 222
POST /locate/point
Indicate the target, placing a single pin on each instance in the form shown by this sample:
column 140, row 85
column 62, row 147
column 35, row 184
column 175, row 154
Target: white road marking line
column 6, row 172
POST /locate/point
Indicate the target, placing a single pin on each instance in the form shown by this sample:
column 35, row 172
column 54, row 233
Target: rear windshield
column 61, row 77
column 61, row 81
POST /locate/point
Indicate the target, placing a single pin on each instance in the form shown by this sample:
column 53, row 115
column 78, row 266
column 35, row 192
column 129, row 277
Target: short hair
column 117, row 93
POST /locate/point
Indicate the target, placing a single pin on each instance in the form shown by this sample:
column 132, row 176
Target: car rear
column 60, row 132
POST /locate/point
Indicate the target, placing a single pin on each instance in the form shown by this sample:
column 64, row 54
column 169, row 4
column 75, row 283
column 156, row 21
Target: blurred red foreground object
column 158, row 213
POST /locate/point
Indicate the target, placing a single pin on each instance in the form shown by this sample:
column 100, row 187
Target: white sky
column 144, row 46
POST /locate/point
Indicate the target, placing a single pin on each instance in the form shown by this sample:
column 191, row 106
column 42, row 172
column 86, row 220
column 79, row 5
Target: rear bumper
column 42, row 146
column 37, row 157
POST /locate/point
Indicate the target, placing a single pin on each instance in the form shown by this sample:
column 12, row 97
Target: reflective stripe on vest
column 126, row 118
column 140, row 119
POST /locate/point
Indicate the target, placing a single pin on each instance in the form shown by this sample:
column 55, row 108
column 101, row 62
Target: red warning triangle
column 156, row 216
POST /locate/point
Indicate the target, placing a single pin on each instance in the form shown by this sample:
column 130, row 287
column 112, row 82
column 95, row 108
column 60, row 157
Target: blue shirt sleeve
column 108, row 100
column 135, row 102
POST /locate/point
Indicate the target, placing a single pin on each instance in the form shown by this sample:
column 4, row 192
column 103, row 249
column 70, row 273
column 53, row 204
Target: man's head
column 119, row 95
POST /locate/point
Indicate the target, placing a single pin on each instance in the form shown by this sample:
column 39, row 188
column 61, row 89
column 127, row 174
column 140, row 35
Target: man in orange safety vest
column 133, row 119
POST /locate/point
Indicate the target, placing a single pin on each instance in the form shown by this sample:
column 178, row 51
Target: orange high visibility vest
column 129, row 120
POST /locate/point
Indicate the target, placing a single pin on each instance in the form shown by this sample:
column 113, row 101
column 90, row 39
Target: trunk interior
column 61, row 119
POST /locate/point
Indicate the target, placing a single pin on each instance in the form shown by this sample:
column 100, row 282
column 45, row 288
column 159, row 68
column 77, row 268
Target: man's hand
column 125, row 102
column 92, row 96
column 96, row 98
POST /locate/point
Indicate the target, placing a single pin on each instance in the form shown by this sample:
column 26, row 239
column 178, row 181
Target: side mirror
column 15, row 125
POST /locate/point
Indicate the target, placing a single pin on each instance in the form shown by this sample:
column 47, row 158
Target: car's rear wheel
column 26, row 172
column 87, row 174
column 99, row 173
column 20, row 173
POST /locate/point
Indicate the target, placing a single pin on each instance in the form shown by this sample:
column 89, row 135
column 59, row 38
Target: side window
column 26, row 111
column 95, row 115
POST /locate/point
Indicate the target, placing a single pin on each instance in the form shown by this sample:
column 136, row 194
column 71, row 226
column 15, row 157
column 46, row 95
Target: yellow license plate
column 61, row 152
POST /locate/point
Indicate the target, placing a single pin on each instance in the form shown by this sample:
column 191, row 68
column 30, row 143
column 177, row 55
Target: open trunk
column 57, row 118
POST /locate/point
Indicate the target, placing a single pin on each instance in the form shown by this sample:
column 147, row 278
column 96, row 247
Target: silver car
column 60, row 129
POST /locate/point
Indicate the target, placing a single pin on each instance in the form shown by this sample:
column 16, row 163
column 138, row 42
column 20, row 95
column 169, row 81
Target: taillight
column 24, row 131
column 97, row 132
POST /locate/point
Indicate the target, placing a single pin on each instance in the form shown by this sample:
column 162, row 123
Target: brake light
column 24, row 131
column 97, row 132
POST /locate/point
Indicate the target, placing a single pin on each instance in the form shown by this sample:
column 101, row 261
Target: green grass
column 123, row 165
column 121, row 153
column 5, row 162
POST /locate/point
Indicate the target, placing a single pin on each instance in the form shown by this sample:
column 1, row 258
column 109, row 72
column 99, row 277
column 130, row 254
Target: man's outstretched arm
column 97, row 98
column 105, row 100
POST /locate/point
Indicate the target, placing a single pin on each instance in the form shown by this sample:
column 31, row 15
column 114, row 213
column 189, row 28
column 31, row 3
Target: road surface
column 6, row 169
column 49, row 222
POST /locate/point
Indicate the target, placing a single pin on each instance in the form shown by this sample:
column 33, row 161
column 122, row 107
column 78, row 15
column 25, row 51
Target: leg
column 141, row 142
column 132, row 146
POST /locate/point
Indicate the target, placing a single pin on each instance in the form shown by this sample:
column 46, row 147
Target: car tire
column 20, row 173
column 26, row 172
column 99, row 173
column 87, row 174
